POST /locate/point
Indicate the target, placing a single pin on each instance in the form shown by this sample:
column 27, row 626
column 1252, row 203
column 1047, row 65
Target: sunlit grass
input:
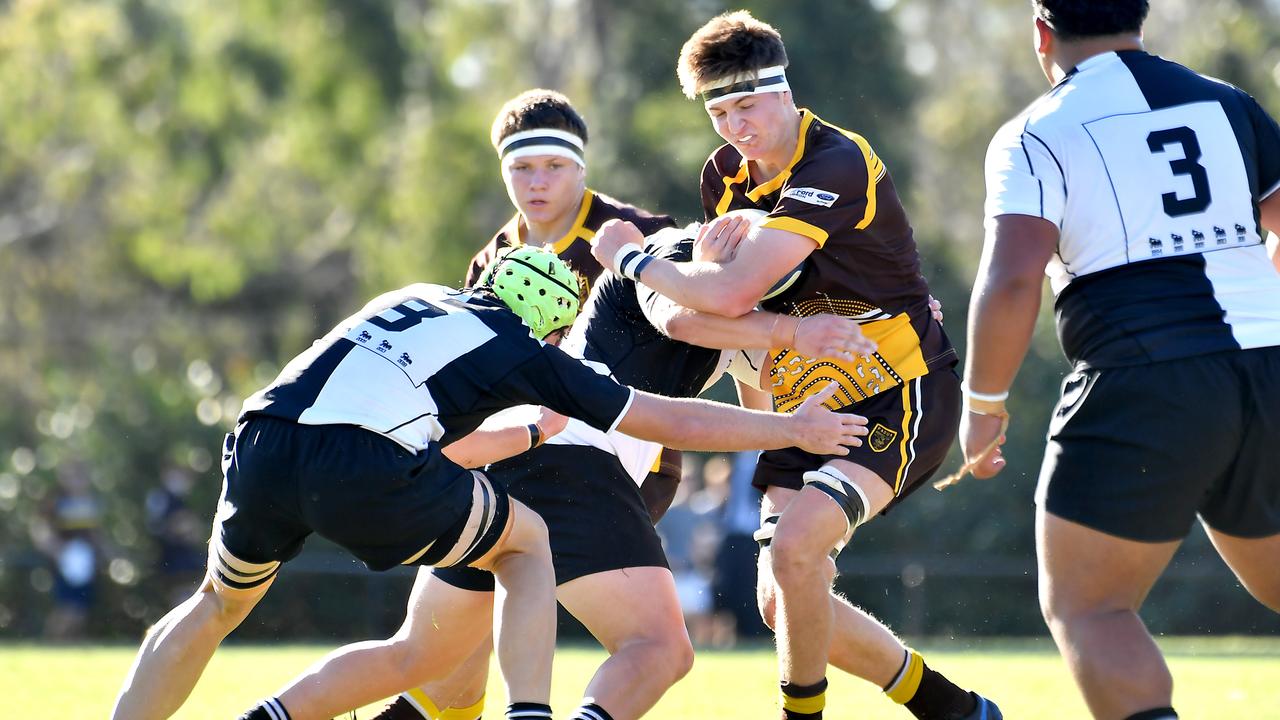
column 1215, row 678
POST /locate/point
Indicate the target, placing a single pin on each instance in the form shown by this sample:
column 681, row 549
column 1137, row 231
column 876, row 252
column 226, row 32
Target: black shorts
column 1138, row 451
column 386, row 505
column 592, row 507
column 910, row 430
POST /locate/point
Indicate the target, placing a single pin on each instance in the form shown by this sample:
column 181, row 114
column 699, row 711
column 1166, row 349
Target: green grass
column 1218, row 678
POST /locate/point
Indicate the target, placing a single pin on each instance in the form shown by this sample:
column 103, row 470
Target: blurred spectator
column 66, row 532
column 734, row 582
column 691, row 536
column 180, row 534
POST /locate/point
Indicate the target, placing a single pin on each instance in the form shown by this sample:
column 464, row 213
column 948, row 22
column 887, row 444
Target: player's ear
column 1044, row 38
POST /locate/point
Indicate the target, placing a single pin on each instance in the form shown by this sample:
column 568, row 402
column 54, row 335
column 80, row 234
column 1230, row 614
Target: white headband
column 542, row 141
column 766, row 80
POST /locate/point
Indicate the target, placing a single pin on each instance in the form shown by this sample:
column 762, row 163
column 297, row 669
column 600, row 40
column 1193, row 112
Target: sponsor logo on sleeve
column 813, row 196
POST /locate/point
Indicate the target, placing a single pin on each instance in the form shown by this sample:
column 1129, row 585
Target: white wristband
column 630, row 260
column 984, row 397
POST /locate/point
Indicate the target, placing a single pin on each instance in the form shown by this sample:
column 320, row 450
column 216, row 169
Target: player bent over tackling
column 347, row 442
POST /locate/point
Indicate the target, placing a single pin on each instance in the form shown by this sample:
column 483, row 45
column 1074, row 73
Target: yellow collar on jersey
column 578, row 230
column 774, row 183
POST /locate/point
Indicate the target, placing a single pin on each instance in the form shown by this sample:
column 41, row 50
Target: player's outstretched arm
column 704, row 425
column 501, row 439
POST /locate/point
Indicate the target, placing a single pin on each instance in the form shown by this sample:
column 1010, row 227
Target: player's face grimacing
column 754, row 124
column 545, row 188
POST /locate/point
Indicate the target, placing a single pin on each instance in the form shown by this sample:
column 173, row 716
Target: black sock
column 938, row 698
column 269, row 709
column 401, row 709
column 1164, row 713
column 528, row 711
column 590, row 711
column 804, row 702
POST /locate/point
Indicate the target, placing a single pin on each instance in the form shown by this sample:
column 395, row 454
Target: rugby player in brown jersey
column 541, row 139
column 836, row 239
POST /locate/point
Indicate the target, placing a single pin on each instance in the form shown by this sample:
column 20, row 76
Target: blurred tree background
column 191, row 192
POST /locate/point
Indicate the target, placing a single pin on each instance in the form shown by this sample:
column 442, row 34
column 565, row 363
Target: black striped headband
column 542, row 141
column 766, row 80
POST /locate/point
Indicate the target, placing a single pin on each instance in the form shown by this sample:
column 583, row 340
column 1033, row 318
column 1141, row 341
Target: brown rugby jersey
column 575, row 246
column 575, row 249
column 837, row 191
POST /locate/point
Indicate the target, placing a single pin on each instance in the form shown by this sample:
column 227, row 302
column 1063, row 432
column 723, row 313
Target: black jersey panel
column 619, row 335
column 1143, row 312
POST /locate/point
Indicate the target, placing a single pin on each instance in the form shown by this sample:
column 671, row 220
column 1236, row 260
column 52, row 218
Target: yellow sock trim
column 420, row 700
column 905, row 689
column 471, row 712
column 807, row 706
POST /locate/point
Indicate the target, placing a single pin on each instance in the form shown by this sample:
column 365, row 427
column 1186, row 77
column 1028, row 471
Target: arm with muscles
column 690, row 424
column 570, row 387
column 500, row 439
column 731, row 289
column 1002, row 318
column 816, row 336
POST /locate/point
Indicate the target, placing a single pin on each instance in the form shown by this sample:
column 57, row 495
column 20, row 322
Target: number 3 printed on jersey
column 1159, row 142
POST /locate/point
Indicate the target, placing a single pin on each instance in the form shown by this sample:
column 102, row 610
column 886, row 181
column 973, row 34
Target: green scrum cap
column 537, row 285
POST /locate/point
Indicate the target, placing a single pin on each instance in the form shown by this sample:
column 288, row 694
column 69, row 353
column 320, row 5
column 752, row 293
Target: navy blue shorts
column 386, row 505
column 595, row 515
column 1139, row 451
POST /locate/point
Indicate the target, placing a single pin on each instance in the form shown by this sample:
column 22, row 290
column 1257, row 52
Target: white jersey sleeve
column 1023, row 176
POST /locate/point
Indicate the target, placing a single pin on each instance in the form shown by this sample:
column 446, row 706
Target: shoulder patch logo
column 881, row 438
column 813, row 196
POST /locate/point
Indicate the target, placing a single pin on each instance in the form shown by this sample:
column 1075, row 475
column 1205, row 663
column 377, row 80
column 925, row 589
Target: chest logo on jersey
column 881, row 438
column 813, row 196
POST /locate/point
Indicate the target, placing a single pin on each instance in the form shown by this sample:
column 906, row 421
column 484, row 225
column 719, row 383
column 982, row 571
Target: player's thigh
column 621, row 606
column 1255, row 561
column 440, row 612
column 1085, row 571
column 524, row 533
column 1134, row 451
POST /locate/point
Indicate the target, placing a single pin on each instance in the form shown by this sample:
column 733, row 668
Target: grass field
column 1218, row 678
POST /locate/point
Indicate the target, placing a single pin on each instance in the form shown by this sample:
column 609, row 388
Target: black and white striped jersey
column 1153, row 175
column 426, row 363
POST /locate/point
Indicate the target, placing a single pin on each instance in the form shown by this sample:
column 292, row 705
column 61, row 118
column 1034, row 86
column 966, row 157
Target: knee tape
column 846, row 494
column 768, row 526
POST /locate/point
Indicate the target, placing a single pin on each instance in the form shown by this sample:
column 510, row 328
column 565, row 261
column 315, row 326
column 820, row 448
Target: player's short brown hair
column 728, row 44
column 534, row 110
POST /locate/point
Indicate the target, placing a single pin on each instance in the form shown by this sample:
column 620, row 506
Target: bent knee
column 228, row 606
column 680, row 655
column 798, row 558
column 667, row 654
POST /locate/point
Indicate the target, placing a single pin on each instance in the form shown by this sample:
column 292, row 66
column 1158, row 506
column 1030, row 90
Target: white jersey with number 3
column 1153, row 175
